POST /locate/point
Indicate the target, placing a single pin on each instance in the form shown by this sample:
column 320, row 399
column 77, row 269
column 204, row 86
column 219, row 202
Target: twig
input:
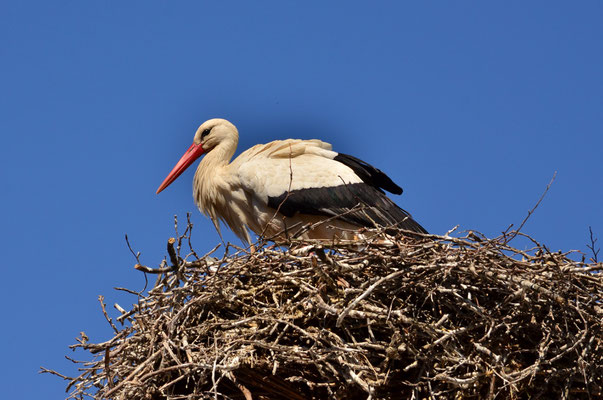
column 133, row 373
column 514, row 233
column 101, row 299
column 368, row 291
column 591, row 246
column 172, row 253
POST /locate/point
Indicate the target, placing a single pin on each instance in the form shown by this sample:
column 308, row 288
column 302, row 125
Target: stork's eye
column 205, row 133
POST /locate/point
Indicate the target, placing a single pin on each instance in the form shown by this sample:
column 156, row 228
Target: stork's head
column 213, row 132
column 210, row 134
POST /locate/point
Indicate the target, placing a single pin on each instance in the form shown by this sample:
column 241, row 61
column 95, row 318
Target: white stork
column 276, row 189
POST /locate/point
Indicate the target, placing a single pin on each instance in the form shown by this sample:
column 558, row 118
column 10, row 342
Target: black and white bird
column 277, row 188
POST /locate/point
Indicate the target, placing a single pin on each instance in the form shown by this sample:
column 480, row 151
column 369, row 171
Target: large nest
column 390, row 317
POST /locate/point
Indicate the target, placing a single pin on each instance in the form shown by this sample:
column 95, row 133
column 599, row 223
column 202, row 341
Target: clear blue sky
column 470, row 107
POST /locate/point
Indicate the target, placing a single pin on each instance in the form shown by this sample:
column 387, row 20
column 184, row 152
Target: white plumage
column 276, row 189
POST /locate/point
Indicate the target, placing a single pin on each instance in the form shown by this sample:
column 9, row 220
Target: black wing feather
column 374, row 207
column 369, row 174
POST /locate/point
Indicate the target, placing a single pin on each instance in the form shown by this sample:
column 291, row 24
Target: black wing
column 369, row 203
column 369, row 174
column 356, row 203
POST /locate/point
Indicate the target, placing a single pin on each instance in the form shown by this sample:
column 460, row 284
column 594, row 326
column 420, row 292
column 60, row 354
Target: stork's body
column 277, row 189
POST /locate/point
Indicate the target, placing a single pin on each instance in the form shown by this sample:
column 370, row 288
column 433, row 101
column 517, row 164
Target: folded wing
column 307, row 177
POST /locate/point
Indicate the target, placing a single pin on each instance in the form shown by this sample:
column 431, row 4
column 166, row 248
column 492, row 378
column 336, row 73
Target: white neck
column 210, row 180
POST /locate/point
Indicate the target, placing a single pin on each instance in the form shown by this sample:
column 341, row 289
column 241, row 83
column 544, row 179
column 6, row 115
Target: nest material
column 431, row 317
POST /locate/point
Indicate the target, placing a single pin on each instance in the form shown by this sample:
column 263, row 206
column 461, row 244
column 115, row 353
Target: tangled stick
column 390, row 317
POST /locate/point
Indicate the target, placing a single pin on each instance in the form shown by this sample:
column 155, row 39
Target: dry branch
column 392, row 317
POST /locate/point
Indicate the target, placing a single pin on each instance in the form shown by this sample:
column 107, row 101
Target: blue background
column 470, row 106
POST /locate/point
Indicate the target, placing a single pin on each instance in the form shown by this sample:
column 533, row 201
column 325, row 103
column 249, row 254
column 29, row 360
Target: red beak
column 186, row 160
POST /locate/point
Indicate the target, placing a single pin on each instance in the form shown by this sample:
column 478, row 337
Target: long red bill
column 186, row 160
